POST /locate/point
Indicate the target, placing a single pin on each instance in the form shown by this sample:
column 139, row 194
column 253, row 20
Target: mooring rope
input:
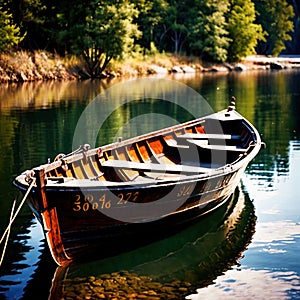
column 13, row 217
column 8, row 232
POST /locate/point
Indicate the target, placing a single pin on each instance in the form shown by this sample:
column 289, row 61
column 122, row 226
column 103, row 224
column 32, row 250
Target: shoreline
column 41, row 66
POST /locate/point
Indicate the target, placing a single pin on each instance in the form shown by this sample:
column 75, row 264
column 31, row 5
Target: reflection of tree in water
column 278, row 121
column 267, row 169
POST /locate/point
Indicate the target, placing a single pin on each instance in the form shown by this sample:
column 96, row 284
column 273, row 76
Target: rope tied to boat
column 30, row 179
column 29, row 176
column 8, row 233
column 62, row 157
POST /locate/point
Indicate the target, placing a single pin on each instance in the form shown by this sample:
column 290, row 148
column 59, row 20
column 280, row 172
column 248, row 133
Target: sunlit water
column 248, row 250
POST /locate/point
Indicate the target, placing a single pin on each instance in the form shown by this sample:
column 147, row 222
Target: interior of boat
column 194, row 149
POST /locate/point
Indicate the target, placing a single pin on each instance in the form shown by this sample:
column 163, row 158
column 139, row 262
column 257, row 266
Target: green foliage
column 243, row 32
column 209, row 35
column 100, row 31
column 177, row 23
column 9, row 32
column 293, row 45
column 29, row 16
column 275, row 16
column 171, row 33
column 151, row 14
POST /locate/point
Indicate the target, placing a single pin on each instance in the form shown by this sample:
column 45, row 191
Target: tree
column 293, row 46
column 275, row 17
column 209, row 36
column 243, row 32
column 151, row 14
column 29, row 17
column 99, row 31
column 173, row 30
column 9, row 32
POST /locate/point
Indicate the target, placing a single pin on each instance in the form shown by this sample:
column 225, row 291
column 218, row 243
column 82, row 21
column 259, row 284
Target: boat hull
column 85, row 221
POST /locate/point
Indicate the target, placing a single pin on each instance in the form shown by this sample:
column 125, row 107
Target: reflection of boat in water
column 169, row 268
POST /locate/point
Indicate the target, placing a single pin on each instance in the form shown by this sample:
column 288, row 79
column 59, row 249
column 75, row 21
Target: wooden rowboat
column 148, row 183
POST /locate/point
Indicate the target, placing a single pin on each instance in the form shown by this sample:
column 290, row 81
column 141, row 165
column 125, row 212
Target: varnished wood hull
column 83, row 202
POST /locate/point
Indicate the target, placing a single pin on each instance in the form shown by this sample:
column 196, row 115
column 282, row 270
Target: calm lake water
column 248, row 249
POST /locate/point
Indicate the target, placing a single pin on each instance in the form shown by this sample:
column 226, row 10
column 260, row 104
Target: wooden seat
column 209, row 136
column 202, row 145
column 148, row 167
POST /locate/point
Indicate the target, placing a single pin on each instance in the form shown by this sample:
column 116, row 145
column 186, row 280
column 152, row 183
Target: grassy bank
column 22, row 66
